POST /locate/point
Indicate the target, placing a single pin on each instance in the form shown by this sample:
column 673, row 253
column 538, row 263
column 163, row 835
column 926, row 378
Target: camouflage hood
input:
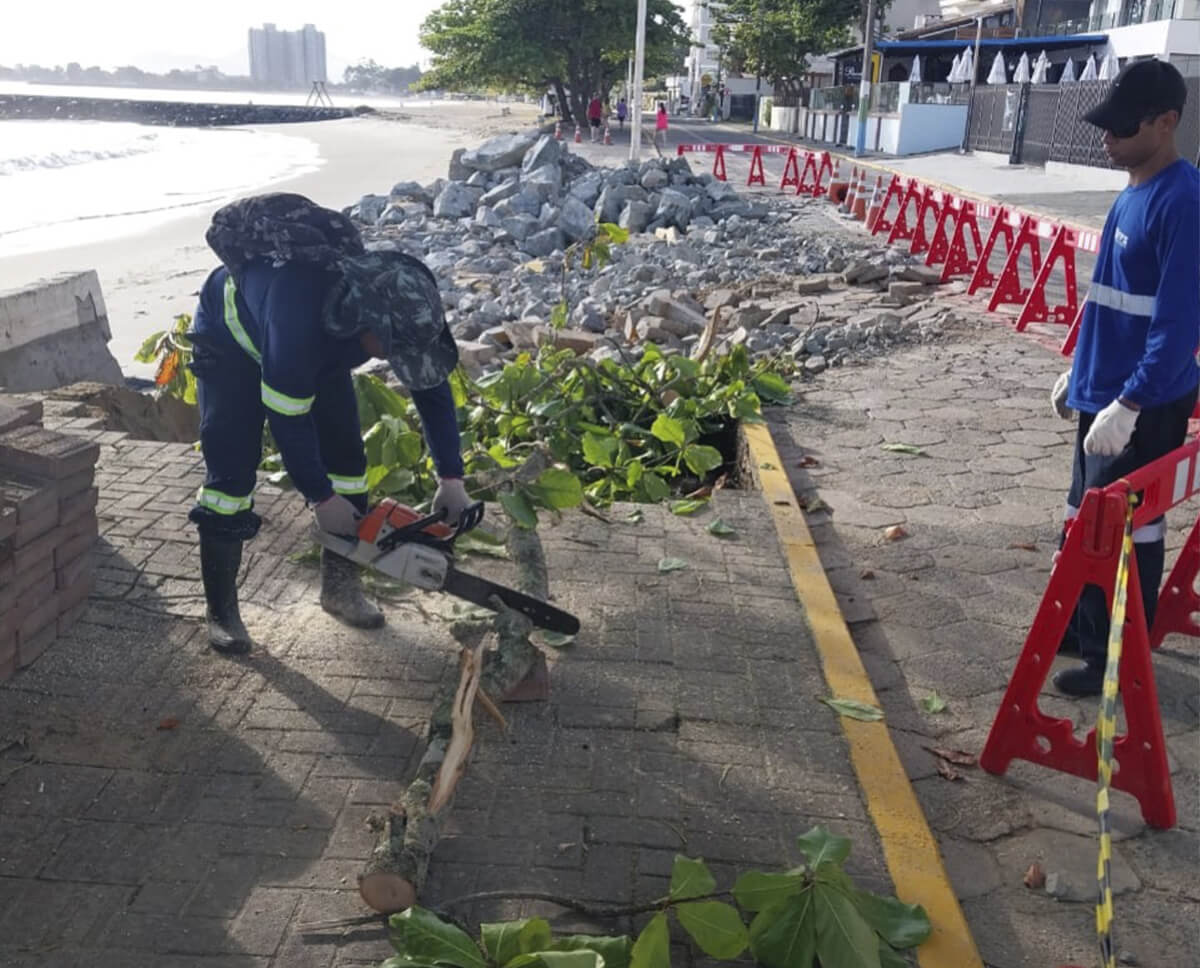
column 281, row 227
column 396, row 297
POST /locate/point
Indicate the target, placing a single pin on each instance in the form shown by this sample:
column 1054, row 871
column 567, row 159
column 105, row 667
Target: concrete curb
column 909, row 847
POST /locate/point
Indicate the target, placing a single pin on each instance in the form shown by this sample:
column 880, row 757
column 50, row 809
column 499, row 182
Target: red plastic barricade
column 932, row 203
column 1178, row 600
column 719, row 163
column 791, row 171
column 1002, row 227
column 1035, row 309
column 901, row 228
column 757, row 176
column 824, row 169
column 1008, row 285
column 960, row 262
column 1090, row 555
column 881, row 222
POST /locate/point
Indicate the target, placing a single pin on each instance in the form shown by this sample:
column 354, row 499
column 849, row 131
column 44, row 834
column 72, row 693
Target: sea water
column 74, row 182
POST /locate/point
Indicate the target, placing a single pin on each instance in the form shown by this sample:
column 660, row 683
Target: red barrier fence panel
column 1068, row 346
column 719, row 163
column 959, row 261
column 901, row 229
column 1008, row 287
column 882, row 222
column 932, row 203
column 806, row 187
column 1090, row 555
column 1035, row 309
column 1178, row 601
column 824, row 169
column 757, row 175
column 791, row 171
column 1002, row 227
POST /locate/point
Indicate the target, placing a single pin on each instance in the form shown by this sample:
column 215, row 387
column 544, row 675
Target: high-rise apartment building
column 287, row 58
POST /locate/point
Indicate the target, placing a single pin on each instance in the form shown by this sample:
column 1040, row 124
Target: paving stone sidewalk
column 164, row 807
column 947, row 608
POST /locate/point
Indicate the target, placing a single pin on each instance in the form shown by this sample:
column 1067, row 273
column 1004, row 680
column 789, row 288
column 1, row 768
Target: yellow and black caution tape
column 1106, row 730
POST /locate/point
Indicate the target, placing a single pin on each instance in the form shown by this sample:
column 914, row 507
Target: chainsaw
column 417, row 550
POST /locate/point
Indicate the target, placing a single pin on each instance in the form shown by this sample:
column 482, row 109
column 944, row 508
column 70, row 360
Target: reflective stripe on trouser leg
column 222, row 503
column 349, row 485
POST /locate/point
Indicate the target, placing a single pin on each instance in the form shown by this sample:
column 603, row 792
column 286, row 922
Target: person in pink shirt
column 660, row 126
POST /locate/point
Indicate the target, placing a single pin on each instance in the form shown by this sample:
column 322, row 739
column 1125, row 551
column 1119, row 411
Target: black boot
column 342, row 594
column 220, row 559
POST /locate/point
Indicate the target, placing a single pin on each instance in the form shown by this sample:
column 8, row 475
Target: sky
column 157, row 36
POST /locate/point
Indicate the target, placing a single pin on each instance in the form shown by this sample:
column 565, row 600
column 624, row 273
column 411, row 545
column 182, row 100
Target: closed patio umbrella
column 967, row 65
column 1109, row 66
column 955, row 69
column 1089, row 69
column 915, row 73
column 1021, row 75
column 1068, row 74
column 998, row 74
column 1040, row 67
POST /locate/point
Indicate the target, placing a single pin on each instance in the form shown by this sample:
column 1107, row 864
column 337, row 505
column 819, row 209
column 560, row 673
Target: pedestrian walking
column 622, row 113
column 661, row 124
column 297, row 303
column 1134, row 376
column 595, row 115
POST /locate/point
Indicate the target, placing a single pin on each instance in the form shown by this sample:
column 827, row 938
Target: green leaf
column 900, row 925
column 655, row 487
column 701, row 459
column 421, row 935
column 616, row 951
column 902, row 448
column 507, row 939
column 516, row 503
column 844, row 939
column 853, row 709
column 382, row 397
column 653, row 946
column 757, row 891
column 671, row 564
column 559, row 488
column 558, row 315
column 397, row 480
column 636, row 516
column 716, row 928
column 618, row 235
column 634, row 472
column 687, row 506
column 889, row 957
column 933, row 703
column 772, row 387
column 556, row 640
column 148, row 351
column 600, row 451
column 669, row 430
column 690, row 878
column 720, row 529
column 820, row 847
column 784, row 935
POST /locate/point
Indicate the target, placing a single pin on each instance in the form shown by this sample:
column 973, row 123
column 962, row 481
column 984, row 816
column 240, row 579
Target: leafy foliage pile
column 173, row 351
column 810, row 915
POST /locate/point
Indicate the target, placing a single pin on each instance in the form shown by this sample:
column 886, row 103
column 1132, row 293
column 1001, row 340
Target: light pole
column 639, row 65
column 758, row 73
column 864, row 86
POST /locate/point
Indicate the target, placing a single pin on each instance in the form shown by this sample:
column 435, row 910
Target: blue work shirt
column 1141, row 323
column 278, row 324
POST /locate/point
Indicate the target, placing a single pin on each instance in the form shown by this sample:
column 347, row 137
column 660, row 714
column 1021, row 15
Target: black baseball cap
column 1142, row 90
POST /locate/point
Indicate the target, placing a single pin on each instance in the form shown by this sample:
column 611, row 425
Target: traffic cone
column 578, row 135
column 607, row 135
column 848, row 199
column 558, row 131
column 858, row 210
column 837, row 185
column 876, row 203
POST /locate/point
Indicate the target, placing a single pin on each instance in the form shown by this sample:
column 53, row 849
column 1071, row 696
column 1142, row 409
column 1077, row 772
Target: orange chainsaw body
column 389, row 515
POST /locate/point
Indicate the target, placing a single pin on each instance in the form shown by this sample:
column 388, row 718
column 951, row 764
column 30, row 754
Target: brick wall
column 47, row 530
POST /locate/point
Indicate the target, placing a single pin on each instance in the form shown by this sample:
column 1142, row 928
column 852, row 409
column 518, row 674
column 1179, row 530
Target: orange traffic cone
column 859, row 209
column 578, row 135
column 848, row 199
column 838, row 186
column 607, row 135
column 558, row 131
column 876, row 203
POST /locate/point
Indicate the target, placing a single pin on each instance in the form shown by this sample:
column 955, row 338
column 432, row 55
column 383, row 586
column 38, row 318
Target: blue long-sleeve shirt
column 1141, row 323
column 278, row 323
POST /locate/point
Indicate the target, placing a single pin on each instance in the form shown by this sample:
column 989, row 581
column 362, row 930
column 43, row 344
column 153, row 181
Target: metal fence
column 1036, row 123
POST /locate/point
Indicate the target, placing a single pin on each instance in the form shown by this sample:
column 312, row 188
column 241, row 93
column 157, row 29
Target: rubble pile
column 496, row 233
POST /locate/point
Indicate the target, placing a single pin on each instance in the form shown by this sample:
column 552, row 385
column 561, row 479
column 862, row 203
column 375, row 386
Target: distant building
column 287, row 58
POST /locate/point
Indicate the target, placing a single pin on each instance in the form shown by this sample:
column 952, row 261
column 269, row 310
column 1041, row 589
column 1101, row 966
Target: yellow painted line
column 912, row 854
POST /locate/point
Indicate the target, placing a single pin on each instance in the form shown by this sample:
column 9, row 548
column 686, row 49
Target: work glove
column 337, row 515
column 1058, row 396
column 453, row 497
column 1111, row 430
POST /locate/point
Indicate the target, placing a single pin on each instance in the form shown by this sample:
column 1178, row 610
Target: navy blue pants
column 232, row 414
column 1158, row 431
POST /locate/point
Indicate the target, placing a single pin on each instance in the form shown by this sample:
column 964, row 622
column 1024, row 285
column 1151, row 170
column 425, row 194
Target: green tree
column 576, row 47
column 776, row 38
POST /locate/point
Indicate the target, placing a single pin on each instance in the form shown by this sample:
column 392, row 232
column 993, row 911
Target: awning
column 900, row 47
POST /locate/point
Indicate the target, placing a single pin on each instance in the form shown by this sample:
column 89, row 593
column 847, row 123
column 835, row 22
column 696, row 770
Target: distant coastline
column 37, row 107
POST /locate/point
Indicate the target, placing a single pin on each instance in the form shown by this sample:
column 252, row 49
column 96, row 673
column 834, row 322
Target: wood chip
column 170, row 722
column 949, row 772
column 957, row 757
column 894, row 533
column 808, row 461
column 1035, row 877
column 1023, row 546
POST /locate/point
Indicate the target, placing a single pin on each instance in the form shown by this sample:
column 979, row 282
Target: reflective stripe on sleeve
column 223, row 503
column 234, row 323
column 1122, row 302
column 348, row 485
column 282, row 403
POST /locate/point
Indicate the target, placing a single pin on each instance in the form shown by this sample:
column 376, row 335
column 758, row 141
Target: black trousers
column 1158, row 431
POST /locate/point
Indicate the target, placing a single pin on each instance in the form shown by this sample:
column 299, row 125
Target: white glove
column 1111, row 430
column 451, row 495
column 1058, row 396
column 337, row 515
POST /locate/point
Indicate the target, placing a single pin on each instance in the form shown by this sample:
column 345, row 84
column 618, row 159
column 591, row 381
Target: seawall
column 36, row 107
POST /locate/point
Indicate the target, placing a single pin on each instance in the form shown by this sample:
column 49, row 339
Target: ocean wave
column 73, row 156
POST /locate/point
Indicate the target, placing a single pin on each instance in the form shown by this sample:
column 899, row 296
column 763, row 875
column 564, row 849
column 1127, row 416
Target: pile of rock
column 494, row 234
column 47, row 529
